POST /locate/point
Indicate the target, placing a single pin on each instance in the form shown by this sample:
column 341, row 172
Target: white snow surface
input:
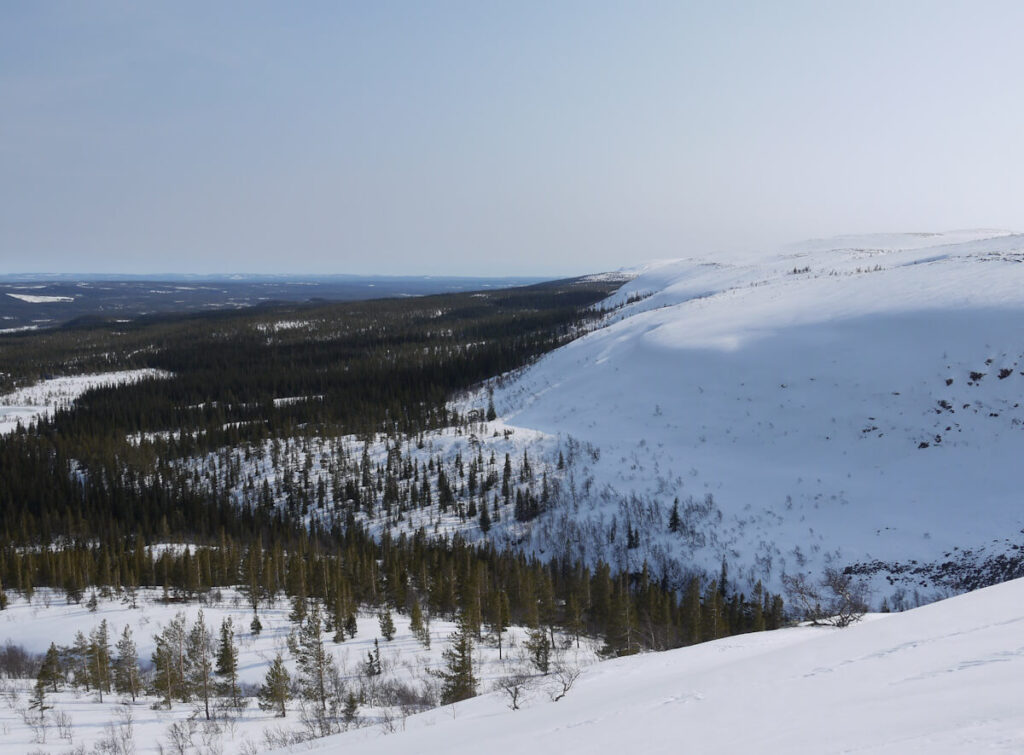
column 823, row 396
column 40, row 299
column 944, row 678
column 404, row 660
column 33, row 402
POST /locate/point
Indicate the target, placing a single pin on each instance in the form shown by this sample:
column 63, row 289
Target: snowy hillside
column 403, row 684
column 850, row 401
column 944, row 678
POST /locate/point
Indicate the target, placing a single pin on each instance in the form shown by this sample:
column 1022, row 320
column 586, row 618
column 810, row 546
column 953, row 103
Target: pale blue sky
column 494, row 138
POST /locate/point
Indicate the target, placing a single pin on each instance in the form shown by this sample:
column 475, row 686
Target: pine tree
column 255, row 626
column 692, row 620
column 200, row 666
column 457, row 680
column 498, row 615
column 49, row 671
column 171, row 662
column 574, row 617
column 387, row 624
column 273, row 695
column 99, row 658
column 126, row 666
column 227, row 660
column 165, row 679
column 313, row 660
column 254, row 575
column 78, row 661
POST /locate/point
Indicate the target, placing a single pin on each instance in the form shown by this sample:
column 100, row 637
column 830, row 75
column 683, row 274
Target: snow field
column 847, row 401
column 404, row 660
column 944, row 678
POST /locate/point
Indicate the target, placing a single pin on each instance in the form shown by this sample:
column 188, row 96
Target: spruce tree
column 312, row 657
column 273, row 694
column 485, row 519
column 37, row 700
column 674, row 521
column 457, row 680
column 227, row 660
column 351, row 709
column 387, row 624
column 372, row 666
column 419, row 624
column 539, row 649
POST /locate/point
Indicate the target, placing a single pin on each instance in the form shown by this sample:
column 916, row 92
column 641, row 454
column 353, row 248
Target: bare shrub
column 179, row 736
column 63, row 723
column 834, row 601
column 18, row 663
column 516, row 683
column 564, row 674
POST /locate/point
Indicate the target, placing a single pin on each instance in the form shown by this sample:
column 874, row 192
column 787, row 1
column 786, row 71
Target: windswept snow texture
column 944, row 678
column 28, row 404
column 851, row 401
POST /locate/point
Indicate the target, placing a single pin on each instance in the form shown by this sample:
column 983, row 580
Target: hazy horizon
column 488, row 140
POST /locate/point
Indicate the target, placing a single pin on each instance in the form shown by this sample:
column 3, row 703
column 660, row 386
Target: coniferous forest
column 246, row 464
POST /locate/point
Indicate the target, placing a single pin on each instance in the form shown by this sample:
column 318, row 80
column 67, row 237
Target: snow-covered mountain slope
column 849, row 401
column 944, row 678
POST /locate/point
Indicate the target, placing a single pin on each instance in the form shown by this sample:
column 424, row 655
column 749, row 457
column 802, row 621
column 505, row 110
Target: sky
column 494, row 138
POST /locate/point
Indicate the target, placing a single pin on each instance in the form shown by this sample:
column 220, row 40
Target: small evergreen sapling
column 387, row 624
column 273, row 694
column 457, row 679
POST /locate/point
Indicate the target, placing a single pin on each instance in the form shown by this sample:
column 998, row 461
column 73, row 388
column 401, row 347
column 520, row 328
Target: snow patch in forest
column 41, row 400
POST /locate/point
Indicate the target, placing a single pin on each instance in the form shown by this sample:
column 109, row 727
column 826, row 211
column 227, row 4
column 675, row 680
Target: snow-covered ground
column 843, row 401
column 404, row 660
column 945, row 678
column 28, row 404
column 848, row 402
column 41, row 299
